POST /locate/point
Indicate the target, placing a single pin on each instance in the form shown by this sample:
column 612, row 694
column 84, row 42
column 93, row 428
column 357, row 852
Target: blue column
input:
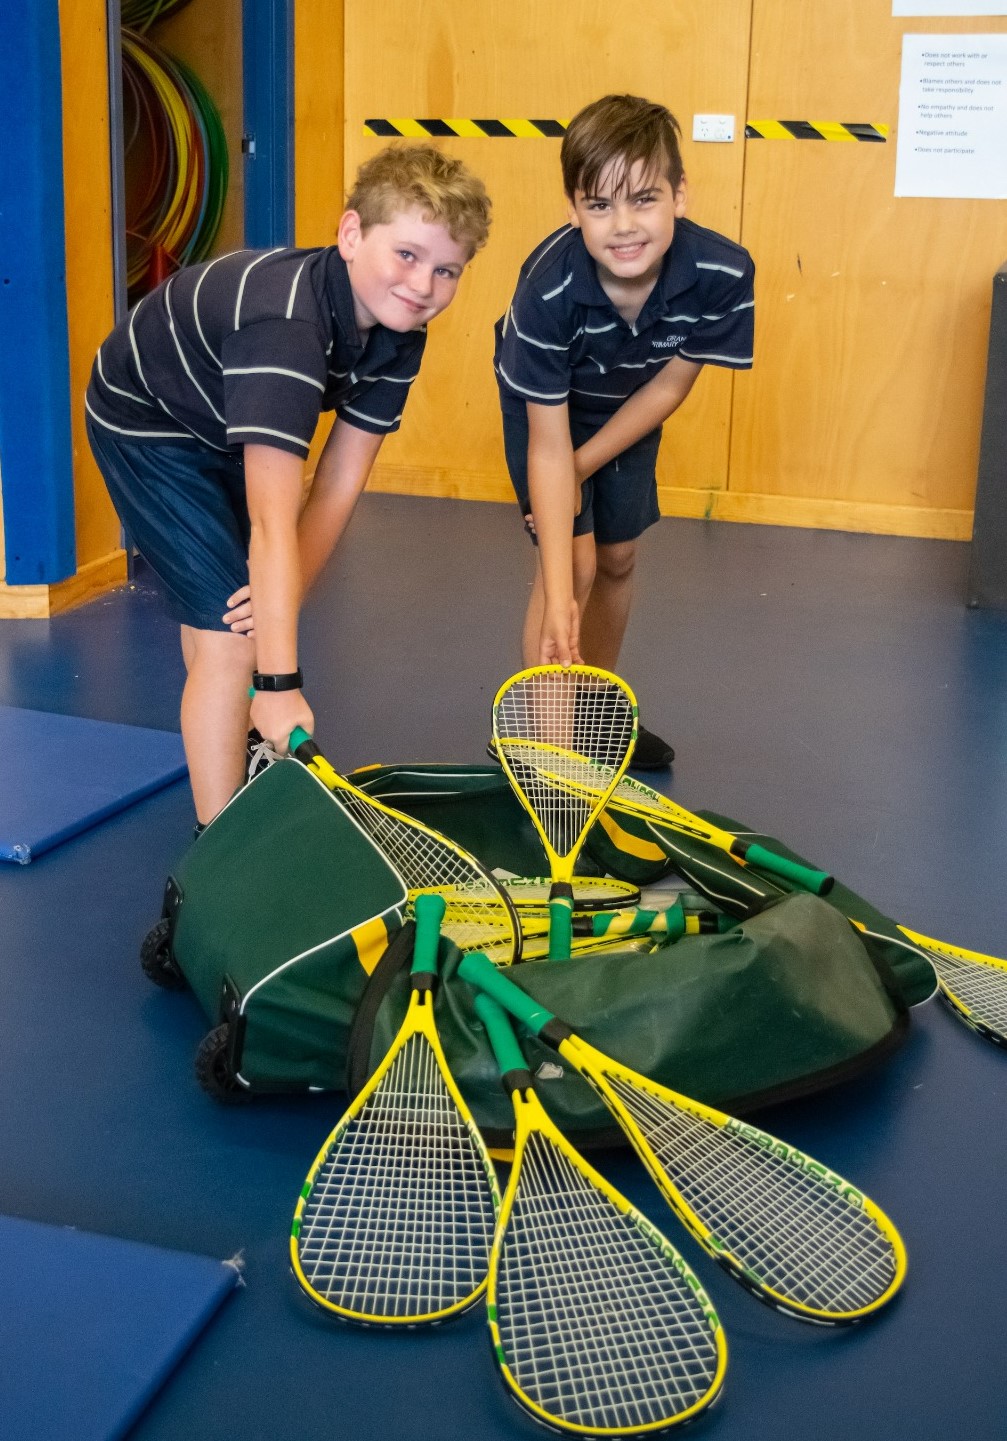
column 36, row 457
column 268, row 66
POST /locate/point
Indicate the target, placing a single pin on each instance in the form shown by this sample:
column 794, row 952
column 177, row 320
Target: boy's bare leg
column 604, row 618
column 215, row 714
column 583, row 578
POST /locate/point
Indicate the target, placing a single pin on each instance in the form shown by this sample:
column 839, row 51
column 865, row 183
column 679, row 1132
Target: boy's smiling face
column 628, row 222
column 402, row 274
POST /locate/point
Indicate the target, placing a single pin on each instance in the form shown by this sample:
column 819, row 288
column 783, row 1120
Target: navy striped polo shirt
column 562, row 339
column 249, row 349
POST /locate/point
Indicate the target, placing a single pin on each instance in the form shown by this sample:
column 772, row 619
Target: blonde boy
column 201, row 408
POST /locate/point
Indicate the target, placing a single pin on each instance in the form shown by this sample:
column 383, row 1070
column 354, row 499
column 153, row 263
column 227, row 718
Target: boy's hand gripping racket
column 394, row 1223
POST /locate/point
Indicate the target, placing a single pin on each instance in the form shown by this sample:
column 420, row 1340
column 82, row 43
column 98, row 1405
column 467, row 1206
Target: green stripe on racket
column 394, row 1222
column 796, row 1234
column 598, row 1325
column 576, row 711
column 426, row 860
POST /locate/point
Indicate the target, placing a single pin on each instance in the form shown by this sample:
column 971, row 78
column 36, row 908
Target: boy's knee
column 617, row 562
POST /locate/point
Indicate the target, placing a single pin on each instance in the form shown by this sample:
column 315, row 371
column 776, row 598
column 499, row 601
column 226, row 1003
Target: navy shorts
column 617, row 503
column 184, row 508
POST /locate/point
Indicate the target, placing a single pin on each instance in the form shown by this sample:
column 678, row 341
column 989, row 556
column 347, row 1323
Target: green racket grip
column 509, row 1054
column 819, row 883
column 560, row 928
column 429, row 912
column 482, row 974
column 298, row 738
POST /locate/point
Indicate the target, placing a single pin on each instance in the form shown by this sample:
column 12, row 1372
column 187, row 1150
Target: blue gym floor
column 830, row 689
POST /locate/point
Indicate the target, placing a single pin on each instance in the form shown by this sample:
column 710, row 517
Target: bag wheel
column 157, row 961
column 213, row 1070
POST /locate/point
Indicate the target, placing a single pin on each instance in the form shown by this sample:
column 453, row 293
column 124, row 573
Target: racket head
column 599, row 1326
column 555, row 712
column 793, row 1232
column 972, row 985
column 395, row 1220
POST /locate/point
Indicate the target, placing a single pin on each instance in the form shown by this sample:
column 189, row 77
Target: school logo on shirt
column 670, row 342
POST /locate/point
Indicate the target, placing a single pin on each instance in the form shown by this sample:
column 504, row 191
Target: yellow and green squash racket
column 547, row 720
column 394, row 1222
column 598, row 1325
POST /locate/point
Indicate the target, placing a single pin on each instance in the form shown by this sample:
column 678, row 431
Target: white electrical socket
column 713, row 127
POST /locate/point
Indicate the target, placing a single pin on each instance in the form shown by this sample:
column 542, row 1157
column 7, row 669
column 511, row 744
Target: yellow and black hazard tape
column 555, row 129
column 815, row 130
column 469, row 129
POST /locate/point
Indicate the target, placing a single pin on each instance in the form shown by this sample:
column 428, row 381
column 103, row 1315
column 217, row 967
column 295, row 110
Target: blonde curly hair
column 443, row 188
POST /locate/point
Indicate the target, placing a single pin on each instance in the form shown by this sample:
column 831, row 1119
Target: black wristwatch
column 293, row 680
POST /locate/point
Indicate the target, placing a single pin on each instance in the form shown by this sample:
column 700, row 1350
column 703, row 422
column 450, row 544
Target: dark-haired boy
column 612, row 320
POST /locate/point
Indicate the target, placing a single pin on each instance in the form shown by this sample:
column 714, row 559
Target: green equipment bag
column 783, row 1005
column 275, row 917
column 789, row 1002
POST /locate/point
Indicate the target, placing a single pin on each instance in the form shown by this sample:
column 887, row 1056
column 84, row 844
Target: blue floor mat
column 91, row 1327
column 63, row 774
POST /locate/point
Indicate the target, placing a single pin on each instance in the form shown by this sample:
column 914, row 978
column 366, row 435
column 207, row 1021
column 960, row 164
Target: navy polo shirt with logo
column 562, row 339
column 251, row 348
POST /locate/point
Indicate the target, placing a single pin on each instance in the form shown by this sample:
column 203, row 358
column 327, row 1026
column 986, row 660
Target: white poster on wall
column 949, row 7
column 952, row 134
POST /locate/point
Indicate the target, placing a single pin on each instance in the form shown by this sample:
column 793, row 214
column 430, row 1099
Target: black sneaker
column 651, row 753
column 259, row 755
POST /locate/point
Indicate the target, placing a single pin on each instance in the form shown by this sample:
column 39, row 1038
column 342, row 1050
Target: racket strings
column 477, row 913
column 800, row 1235
column 400, row 1214
column 598, row 1326
column 980, row 988
column 547, row 722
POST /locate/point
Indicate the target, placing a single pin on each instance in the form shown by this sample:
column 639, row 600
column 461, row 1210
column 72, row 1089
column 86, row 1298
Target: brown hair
column 402, row 176
column 620, row 130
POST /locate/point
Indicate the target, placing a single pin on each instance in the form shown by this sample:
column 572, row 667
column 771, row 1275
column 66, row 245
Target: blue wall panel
column 268, row 64
column 36, row 464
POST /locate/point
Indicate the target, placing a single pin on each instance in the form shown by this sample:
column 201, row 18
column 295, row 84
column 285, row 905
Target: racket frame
column 936, row 951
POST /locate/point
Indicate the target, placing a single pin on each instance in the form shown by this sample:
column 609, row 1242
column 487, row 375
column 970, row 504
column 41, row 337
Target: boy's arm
column 340, row 476
column 643, row 412
column 552, row 489
column 274, row 481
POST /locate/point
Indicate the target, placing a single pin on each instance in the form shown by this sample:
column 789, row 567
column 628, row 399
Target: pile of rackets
column 599, row 1326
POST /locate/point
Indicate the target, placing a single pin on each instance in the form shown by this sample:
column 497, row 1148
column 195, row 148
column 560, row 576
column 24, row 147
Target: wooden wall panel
column 863, row 411
column 524, row 58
